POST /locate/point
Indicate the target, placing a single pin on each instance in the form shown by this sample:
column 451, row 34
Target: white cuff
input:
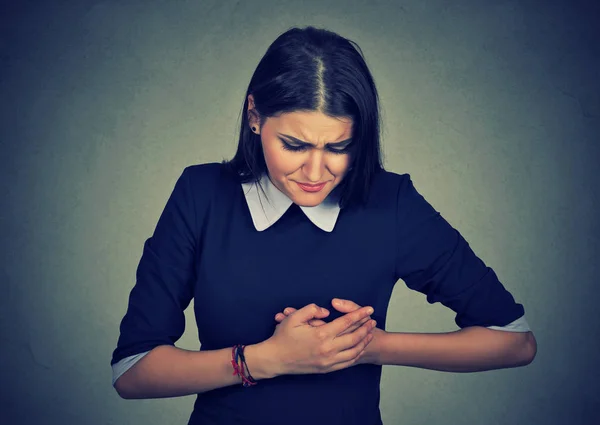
column 124, row 365
column 519, row 325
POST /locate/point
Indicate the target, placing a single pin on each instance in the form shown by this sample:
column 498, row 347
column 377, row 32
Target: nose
column 314, row 166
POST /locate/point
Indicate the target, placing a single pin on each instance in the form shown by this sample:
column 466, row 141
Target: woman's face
column 306, row 148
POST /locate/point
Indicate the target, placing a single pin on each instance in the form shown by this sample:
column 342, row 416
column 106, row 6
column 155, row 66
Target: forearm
column 470, row 349
column 168, row 371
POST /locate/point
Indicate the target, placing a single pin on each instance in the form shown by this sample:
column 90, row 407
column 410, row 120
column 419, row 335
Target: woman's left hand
column 371, row 353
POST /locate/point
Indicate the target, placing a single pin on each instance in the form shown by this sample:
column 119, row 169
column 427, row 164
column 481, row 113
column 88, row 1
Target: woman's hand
column 300, row 348
column 370, row 354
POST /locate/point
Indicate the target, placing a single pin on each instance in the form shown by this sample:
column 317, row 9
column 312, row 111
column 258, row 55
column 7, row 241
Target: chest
column 245, row 277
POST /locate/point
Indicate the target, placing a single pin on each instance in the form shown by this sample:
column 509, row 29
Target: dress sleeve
column 519, row 325
column 433, row 258
column 123, row 365
column 164, row 279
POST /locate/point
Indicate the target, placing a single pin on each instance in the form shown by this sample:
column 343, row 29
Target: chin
column 309, row 201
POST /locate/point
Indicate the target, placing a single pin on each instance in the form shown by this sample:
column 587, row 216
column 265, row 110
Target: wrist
column 376, row 347
column 261, row 361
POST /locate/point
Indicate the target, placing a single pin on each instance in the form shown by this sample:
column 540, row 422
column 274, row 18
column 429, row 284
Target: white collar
column 266, row 211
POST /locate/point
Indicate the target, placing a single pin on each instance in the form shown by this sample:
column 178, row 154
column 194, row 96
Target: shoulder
column 199, row 172
column 401, row 195
column 200, row 186
column 200, row 183
column 392, row 185
column 401, row 184
column 209, row 175
column 390, row 178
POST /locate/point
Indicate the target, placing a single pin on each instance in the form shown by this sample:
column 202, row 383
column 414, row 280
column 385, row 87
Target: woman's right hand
column 299, row 348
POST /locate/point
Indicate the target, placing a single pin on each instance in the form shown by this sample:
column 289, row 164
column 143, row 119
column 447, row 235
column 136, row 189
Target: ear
column 253, row 117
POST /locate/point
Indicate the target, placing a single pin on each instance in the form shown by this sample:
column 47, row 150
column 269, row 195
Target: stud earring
column 254, row 128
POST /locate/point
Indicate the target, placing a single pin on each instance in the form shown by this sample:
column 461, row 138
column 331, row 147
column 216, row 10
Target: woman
column 302, row 217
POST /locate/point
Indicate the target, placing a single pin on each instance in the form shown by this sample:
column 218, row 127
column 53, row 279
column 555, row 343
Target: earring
column 254, row 128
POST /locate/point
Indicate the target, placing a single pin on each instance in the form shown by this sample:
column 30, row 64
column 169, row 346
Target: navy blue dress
column 205, row 246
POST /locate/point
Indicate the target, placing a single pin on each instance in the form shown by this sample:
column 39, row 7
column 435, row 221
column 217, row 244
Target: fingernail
column 337, row 302
column 286, row 311
column 370, row 311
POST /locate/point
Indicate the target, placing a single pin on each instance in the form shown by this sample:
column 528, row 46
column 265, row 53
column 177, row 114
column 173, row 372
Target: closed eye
column 302, row 148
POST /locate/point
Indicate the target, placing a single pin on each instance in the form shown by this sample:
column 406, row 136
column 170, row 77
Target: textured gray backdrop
column 492, row 107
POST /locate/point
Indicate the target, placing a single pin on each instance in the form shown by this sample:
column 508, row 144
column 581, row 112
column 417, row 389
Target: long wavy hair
column 312, row 69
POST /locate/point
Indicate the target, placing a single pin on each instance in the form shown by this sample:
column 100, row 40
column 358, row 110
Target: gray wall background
column 492, row 107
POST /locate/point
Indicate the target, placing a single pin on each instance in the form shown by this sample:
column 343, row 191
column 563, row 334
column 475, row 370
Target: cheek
column 278, row 160
column 270, row 154
column 339, row 164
